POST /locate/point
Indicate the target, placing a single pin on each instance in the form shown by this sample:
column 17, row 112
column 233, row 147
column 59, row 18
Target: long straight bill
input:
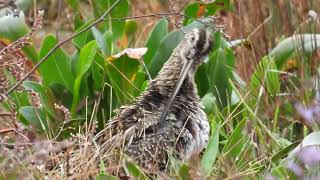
column 185, row 69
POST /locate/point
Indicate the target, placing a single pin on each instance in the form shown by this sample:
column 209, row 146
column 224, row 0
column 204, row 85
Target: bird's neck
column 160, row 89
column 169, row 75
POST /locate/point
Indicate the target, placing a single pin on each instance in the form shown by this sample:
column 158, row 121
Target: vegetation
column 66, row 70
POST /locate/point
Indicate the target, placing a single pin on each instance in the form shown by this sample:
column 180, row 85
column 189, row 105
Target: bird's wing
column 129, row 125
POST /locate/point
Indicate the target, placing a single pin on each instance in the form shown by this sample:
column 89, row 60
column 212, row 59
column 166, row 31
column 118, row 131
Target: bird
column 167, row 119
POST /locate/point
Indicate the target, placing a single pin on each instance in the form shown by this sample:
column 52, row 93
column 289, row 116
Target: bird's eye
column 192, row 39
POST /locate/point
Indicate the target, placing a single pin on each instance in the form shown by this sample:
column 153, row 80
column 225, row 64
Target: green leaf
column 284, row 152
column 139, row 82
column 73, row 4
column 98, row 72
column 63, row 95
column 136, row 172
column 108, row 37
column 208, row 102
column 105, row 177
column 216, row 5
column 122, row 73
column 211, row 151
column 198, row 9
column 131, row 28
column 121, row 10
column 219, row 69
column 202, row 80
column 235, row 141
column 35, row 117
column 167, row 44
column 57, row 68
column 266, row 74
column 19, row 98
column 300, row 42
column 98, row 36
column 43, row 94
column 184, row 173
column 157, row 33
column 84, row 37
column 12, row 28
column 87, row 54
column 86, row 57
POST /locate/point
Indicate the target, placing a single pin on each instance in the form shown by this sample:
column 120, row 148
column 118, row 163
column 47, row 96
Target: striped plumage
column 146, row 134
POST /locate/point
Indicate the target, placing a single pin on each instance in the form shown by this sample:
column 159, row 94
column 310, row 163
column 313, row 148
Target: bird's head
column 196, row 45
column 193, row 49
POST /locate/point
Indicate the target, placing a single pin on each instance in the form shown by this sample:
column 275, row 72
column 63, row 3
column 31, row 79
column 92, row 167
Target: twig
column 5, row 131
column 158, row 15
column 100, row 19
column 161, row 15
column 16, row 144
column 5, row 114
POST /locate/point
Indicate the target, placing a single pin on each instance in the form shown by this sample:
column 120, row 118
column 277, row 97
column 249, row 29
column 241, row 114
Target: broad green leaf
column 12, row 28
column 136, row 172
column 121, row 10
column 19, row 98
column 131, row 28
column 98, row 36
column 157, row 33
column 62, row 94
column 122, row 72
column 211, row 151
column 57, row 68
column 202, row 81
column 108, row 37
column 208, row 102
column 98, row 72
column 139, row 81
column 219, row 69
column 78, row 21
column 87, row 54
column 43, row 94
column 86, row 57
column 84, row 37
column 300, row 42
column 167, row 44
column 35, row 117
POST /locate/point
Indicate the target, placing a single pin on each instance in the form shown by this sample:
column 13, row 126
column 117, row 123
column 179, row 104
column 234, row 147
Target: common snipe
column 168, row 116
